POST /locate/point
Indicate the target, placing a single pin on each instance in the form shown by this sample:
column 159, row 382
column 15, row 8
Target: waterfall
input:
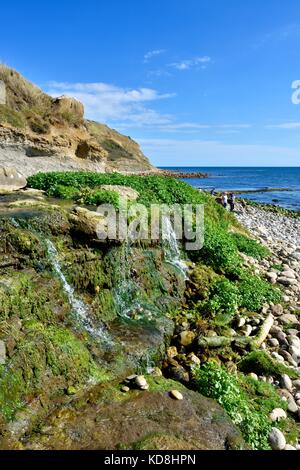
column 128, row 297
column 79, row 308
column 171, row 248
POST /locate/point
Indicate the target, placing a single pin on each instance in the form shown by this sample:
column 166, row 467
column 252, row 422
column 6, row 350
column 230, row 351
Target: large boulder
column 87, row 223
column 11, row 180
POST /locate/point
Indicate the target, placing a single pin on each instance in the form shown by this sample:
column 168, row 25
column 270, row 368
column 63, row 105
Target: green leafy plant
column 215, row 382
column 224, row 300
column 63, row 192
column 250, row 247
column 255, row 291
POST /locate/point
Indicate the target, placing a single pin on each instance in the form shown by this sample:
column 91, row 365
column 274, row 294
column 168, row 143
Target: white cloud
column 149, row 55
column 187, row 64
column 105, row 102
column 285, row 125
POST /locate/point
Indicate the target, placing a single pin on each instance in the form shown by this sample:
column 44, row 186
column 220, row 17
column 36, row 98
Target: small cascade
column 128, row 299
column 79, row 308
column 171, row 248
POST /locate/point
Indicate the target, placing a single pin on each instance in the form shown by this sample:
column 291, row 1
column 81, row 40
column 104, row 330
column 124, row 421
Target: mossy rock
column 262, row 363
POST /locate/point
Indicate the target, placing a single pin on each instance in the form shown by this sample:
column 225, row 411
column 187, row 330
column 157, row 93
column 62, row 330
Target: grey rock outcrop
column 10, row 179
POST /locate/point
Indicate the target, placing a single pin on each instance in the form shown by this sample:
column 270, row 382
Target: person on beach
column 224, row 200
column 232, row 201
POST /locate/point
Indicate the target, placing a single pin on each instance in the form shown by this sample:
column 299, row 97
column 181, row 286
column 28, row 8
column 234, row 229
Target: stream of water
column 79, row 308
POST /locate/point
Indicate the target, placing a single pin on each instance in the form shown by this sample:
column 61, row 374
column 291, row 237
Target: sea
column 249, row 179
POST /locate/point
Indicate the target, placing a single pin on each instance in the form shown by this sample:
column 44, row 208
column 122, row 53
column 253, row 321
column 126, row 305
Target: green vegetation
column 261, row 363
column 99, row 196
column 255, row 292
column 215, row 382
column 9, row 116
column 250, row 247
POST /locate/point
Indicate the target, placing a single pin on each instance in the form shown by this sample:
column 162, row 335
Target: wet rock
column 176, row 394
column 276, row 439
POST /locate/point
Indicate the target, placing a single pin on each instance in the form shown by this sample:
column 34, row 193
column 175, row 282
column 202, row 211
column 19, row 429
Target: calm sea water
column 242, row 179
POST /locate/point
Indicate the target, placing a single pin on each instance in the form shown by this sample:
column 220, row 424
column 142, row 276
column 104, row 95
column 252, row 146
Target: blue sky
column 195, row 82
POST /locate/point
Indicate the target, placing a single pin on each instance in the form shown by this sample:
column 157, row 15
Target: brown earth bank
column 41, row 133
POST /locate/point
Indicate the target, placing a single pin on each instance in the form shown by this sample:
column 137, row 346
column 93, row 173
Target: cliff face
column 55, row 133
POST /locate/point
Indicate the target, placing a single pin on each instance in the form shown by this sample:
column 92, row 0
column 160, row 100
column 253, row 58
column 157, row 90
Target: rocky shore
column 279, row 324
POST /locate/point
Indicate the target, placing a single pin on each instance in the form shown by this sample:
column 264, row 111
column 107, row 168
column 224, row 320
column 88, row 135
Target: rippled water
column 243, row 179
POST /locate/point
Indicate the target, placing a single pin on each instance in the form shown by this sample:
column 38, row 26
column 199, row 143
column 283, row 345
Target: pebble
column 253, row 375
column 187, row 337
column 125, row 389
column 277, row 440
column 286, row 382
column 172, row 352
column 273, row 342
column 175, row 394
column 2, row 352
column 277, row 414
column 140, row 381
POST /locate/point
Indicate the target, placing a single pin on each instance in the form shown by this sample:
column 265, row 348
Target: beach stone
column 277, row 414
column 253, row 375
column 2, row 352
column 172, row 352
column 193, row 358
column 241, row 322
column 176, row 394
column 187, row 337
column 288, row 318
column 247, row 330
column 296, row 384
column 140, row 381
column 286, row 382
column 277, row 356
column 131, row 377
column 288, row 274
column 285, row 281
column 274, row 342
column 271, row 275
column 277, row 310
column 276, row 439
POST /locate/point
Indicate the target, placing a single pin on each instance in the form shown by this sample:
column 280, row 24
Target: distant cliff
column 41, row 133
